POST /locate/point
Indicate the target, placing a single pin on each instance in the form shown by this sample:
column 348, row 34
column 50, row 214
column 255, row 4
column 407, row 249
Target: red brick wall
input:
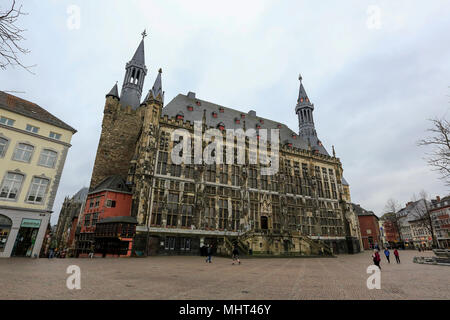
column 369, row 223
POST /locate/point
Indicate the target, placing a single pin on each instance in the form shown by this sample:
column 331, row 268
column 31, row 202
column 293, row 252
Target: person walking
column 208, row 253
column 235, row 255
column 387, row 254
column 376, row 258
column 397, row 256
column 51, row 253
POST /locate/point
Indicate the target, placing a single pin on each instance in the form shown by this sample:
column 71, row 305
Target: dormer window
column 180, row 116
column 190, row 108
column 289, row 145
column 301, row 99
column 261, row 121
column 214, row 114
column 242, row 116
column 258, row 126
column 237, row 121
column 221, row 126
column 221, row 110
column 198, row 103
column 279, row 126
column 294, row 136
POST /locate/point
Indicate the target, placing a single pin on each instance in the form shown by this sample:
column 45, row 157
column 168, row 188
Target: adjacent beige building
column 33, row 150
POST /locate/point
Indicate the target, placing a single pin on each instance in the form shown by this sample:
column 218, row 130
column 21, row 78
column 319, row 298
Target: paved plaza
column 190, row 277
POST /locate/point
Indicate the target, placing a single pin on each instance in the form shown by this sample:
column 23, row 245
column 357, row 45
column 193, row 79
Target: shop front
column 22, row 232
column 26, row 238
column 5, row 230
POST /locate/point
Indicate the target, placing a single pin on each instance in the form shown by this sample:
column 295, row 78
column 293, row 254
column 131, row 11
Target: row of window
column 12, row 185
column 29, row 128
column 24, row 153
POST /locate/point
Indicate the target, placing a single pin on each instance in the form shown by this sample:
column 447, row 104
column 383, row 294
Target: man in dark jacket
column 208, row 253
column 236, row 255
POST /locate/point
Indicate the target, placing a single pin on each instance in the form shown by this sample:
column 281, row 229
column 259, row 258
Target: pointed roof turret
column 114, row 92
column 134, row 78
column 302, row 96
column 139, row 55
column 156, row 92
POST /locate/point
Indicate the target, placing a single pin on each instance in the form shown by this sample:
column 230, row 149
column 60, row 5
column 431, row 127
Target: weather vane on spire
column 144, row 34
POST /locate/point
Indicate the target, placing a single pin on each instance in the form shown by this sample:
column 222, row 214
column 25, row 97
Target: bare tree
column 394, row 215
column 421, row 212
column 10, row 37
column 439, row 158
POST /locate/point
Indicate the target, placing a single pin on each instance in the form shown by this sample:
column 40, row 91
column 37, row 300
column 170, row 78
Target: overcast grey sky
column 375, row 70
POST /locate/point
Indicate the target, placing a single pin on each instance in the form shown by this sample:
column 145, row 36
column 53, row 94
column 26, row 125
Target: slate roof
column 113, row 183
column 124, row 219
column 81, row 195
column 360, row 211
column 180, row 103
column 114, row 92
column 139, row 55
column 344, row 182
column 31, row 110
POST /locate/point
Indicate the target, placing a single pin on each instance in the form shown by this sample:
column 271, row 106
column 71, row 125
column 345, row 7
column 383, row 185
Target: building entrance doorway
column 24, row 244
column 264, row 223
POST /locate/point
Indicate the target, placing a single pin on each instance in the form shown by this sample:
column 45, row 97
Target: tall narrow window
column 11, row 186
column 37, row 190
column 3, row 146
column 47, row 158
column 23, row 152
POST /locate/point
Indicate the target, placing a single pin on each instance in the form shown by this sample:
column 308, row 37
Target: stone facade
column 120, row 131
column 302, row 209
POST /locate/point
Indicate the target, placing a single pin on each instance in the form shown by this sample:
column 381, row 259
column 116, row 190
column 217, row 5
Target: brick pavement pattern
column 190, row 277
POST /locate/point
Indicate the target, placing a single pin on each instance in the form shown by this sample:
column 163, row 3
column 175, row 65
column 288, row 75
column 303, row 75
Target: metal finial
column 160, row 70
column 300, row 77
column 144, row 34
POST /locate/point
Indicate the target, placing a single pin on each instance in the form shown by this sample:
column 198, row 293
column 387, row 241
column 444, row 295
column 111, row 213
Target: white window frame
column 7, row 120
column 40, row 162
column 31, row 128
column 23, row 152
column 56, row 136
column 12, row 180
column 3, row 153
column 39, row 189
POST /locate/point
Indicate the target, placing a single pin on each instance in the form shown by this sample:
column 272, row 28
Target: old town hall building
column 179, row 208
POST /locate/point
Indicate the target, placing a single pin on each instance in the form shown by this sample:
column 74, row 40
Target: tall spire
column 304, row 110
column 134, row 78
column 302, row 96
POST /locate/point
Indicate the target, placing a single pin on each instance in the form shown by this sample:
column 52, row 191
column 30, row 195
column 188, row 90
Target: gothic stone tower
column 122, row 122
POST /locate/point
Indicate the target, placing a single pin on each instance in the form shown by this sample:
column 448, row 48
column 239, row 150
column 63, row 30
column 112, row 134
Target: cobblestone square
column 189, row 277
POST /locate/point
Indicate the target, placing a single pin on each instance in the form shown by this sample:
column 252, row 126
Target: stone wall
column 120, row 132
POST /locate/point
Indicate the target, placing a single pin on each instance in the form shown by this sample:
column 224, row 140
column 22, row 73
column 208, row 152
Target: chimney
column 438, row 198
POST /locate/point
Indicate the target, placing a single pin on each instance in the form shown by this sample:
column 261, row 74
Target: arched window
column 11, row 186
column 48, row 158
column 23, row 152
column 5, row 228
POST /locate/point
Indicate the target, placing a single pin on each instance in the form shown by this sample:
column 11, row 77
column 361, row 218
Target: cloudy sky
column 375, row 70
